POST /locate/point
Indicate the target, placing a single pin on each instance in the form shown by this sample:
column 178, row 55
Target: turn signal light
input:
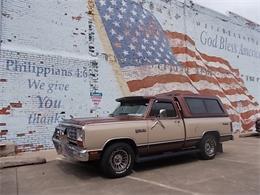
column 80, row 143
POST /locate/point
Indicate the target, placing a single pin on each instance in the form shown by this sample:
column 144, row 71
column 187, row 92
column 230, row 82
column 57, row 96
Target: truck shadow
column 80, row 170
column 165, row 162
column 91, row 169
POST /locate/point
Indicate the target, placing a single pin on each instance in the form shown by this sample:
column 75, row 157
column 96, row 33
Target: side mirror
column 162, row 113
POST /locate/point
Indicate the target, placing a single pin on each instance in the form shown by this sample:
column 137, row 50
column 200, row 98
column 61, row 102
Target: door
column 165, row 126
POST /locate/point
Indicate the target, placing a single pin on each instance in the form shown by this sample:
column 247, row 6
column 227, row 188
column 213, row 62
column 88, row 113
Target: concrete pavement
column 236, row 171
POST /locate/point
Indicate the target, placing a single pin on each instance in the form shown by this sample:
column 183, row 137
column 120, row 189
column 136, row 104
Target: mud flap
column 220, row 148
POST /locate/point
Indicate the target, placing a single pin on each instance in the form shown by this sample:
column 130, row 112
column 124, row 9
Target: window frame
column 217, row 104
column 163, row 101
column 207, row 114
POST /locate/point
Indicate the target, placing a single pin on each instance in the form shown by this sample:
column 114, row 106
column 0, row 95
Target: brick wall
column 54, row 61
column 48, row 71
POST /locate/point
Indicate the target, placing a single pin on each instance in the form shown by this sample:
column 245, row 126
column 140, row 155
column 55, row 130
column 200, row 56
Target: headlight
column 80, row 135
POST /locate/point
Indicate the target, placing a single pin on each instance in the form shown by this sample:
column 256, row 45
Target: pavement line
column 238, row 161
column 16, row 178
column 161, row 185
column 248, row 143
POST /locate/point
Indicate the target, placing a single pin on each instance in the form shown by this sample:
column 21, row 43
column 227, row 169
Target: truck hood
column 95, row 120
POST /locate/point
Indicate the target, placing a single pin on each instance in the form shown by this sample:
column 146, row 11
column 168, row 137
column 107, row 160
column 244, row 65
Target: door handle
column 158, row 122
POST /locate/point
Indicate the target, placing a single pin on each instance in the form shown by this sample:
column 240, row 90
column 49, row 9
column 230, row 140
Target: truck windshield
column 130, row 109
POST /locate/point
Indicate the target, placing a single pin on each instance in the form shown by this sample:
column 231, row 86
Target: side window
column 204, row 106
column 213, row 107
column 196, row 106
column 157, row 106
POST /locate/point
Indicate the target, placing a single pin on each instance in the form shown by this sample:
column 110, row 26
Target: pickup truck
column 143, row 126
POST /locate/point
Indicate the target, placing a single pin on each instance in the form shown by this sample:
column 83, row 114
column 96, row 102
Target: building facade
column 62, row 58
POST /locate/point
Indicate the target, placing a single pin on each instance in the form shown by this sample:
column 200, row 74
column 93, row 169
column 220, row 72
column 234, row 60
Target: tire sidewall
column 106, row 162
column 205, row 140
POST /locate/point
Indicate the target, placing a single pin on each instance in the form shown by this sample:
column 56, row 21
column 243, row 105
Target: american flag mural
column 153, row 60
column 136, row 36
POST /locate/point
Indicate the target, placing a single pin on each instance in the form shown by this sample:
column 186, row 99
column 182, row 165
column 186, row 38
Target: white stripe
column 181, row 43
column 216, row 75
column 138, row 73
column 238, row 161
column 251, row 118
column 237, row 97
column 226, row 75
column 247, row 108
column 204, row 84
column 161, row 185
column 225, row 101
column 183, row 57
column 216, row 65
column 193, row 48
column 232, row 112
column 165, row 87
column 233, row 86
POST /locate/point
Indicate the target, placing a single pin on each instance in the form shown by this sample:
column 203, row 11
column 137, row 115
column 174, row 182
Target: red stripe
column 150, row 81
column 177, row 35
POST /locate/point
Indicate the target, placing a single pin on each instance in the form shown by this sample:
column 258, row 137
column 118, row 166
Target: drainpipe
column 1, row 7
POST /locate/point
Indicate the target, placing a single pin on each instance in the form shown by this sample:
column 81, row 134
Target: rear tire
column 117, row 160
column 208, row 147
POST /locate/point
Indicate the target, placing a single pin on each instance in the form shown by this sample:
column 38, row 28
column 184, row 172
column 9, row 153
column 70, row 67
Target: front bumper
column 70, row 151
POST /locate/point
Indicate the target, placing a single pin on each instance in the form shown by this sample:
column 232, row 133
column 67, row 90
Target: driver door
column 165, row 126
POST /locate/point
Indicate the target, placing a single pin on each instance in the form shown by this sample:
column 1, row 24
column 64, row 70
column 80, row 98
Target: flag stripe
column 150, row 81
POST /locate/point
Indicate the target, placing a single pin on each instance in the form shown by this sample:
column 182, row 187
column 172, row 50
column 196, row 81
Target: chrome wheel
column 117, row 160
column 210, row 147
column 120, row 160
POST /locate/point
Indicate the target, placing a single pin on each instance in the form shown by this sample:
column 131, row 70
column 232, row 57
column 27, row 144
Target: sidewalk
column 49, row 155
column 28, row 158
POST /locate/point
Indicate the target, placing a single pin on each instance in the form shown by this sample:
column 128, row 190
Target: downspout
column 1, row 7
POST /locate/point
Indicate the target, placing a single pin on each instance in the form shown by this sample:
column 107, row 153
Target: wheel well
column 214, row 133
column 123, row 140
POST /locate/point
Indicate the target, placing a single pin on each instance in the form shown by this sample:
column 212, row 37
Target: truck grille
column 72, row 133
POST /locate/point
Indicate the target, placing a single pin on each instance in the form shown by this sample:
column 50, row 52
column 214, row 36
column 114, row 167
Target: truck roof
column 188, row 94
column 180, row 97
column 169, row 96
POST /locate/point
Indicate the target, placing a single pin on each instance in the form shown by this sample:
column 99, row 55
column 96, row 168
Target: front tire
column 117, row 160
column 208, row 147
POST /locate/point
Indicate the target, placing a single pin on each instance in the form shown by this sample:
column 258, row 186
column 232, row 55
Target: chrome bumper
column 70, row 151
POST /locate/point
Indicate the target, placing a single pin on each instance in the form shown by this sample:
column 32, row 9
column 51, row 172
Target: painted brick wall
column 56, row 60
column 49, row 71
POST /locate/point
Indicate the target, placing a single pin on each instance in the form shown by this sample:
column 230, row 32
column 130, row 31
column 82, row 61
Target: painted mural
column 156, row 59
column 75, row 60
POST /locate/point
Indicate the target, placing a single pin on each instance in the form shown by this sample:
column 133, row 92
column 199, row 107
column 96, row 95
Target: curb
column 6, row 162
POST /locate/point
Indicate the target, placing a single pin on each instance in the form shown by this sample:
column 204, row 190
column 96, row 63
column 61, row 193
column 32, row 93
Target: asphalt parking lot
column 236, row 171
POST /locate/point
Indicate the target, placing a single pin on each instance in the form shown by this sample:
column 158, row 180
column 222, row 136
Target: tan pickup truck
column 142, row 127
